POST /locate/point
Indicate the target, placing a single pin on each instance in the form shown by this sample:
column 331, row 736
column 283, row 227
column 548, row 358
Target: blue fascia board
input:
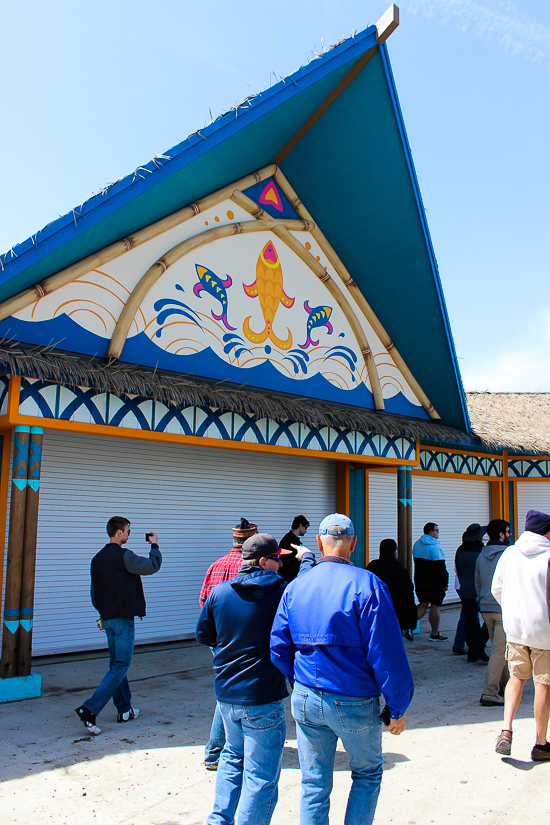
column 424, row 223
column 100, row 206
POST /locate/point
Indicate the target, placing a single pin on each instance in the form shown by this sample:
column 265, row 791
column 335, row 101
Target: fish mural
column 318, row 317
column 210, row 282
column 268, row 287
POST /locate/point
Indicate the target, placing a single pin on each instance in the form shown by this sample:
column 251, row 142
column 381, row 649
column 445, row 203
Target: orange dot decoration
column 308, row 245
column 318, row 258
column 230, row 215
column 217, row 219
column 206, row 223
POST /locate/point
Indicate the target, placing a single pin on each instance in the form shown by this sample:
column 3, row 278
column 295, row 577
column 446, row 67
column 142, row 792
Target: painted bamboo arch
column 146, row 283
column 360, row 299
column 66, row 276
column 319, row 270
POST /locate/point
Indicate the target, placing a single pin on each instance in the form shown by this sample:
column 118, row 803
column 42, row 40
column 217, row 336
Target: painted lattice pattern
column 529, row 468
column 4, row 382
column 45, row 399
column 470, row 465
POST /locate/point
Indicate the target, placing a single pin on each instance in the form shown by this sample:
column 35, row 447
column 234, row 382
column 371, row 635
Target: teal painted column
column 28, row 573
column 8, row 662
column 404, row 517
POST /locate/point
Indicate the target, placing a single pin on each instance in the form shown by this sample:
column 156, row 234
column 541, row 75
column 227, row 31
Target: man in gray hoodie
column 496, row 676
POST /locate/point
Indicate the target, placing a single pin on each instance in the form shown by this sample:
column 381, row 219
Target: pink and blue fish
column 216, row 287
column 318, row 317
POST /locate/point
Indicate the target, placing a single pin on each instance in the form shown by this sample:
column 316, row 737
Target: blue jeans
column 321, row 718
column 250, row 763
column 215, row 744
column 120, row 638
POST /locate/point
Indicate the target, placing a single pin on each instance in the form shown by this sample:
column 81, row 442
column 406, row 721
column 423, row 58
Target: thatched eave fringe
column 514, row 421
column 176, row 390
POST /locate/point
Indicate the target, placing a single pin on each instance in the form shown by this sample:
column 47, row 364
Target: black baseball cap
column 261, row 546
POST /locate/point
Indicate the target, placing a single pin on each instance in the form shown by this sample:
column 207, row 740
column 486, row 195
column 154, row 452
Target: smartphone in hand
column 385, row 716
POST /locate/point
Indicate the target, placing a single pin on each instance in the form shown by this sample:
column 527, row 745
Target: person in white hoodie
column 520, row 586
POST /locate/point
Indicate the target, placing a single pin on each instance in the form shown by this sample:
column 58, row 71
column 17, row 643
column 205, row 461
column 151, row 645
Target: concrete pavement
column 442, row 770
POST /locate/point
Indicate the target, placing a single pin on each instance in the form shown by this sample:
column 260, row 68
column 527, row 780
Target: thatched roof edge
column 515, row 421
column 177, row 390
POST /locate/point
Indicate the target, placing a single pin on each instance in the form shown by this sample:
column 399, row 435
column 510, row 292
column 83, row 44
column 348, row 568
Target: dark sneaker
column 483, row 656
column 438, row 637
column 459, row 651
column 133, row 713
column 408, row 635
column 504, row 743
column 491, row 702
column 541, row 753
column 88, row 720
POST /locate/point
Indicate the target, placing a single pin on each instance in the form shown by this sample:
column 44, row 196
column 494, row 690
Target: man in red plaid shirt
column 220, row 571
column 229, row 565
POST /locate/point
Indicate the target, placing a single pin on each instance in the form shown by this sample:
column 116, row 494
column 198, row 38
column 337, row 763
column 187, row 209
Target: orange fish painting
column 268, row 287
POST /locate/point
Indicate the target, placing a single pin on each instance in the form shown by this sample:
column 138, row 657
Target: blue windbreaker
column 336, row 630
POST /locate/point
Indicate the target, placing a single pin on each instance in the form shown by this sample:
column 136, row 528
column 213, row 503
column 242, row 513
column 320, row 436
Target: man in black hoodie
column 236, row 620
column 117, row 595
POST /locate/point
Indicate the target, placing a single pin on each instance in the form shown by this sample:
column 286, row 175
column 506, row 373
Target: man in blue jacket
column 337, row 638
column 236, row 620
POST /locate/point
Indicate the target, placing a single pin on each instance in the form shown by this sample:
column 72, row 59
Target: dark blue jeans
column 250, row 764
column 120, row 638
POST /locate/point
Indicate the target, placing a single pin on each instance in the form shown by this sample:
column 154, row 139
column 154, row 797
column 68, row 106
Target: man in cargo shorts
column 520, row 586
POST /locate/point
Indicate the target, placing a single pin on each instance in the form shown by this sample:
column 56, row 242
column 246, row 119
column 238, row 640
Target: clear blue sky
column 91, row 90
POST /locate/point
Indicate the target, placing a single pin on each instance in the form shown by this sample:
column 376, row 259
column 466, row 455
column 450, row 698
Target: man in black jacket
column 117, row 595
column 291, row 564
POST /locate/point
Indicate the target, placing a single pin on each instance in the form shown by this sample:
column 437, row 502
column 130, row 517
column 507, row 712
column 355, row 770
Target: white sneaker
column 133, row 713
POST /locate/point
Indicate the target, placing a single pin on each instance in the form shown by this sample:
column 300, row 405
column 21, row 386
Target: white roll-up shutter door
column 382, row 510
column 531, row 495
column 191, row 496
column 453, row 504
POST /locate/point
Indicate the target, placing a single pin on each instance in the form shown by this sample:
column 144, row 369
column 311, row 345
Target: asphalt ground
column 442, row 769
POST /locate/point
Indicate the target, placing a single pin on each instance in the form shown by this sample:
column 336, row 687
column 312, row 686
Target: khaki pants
column 497, row 670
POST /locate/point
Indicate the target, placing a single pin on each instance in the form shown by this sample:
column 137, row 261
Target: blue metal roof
column 354, row 172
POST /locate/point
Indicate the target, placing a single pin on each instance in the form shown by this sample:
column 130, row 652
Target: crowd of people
column 273, row 615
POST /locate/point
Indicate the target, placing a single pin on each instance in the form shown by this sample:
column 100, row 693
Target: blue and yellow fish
column 318, row 317
column 215, row 287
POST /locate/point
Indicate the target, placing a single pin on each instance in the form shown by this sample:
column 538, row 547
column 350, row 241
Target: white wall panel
column 531, row 495
column 453, row 503
column 382, row 510
column 191, row 496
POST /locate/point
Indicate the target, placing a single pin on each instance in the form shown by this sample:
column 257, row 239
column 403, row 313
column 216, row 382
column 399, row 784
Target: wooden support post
column 342, row 487
column 505, row 490
column 26, row 605
column 8, row 662
column 496, row 499
column 404, row 517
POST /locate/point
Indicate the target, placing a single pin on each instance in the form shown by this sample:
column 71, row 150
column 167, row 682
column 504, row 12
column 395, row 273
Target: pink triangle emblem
column 270, row 197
